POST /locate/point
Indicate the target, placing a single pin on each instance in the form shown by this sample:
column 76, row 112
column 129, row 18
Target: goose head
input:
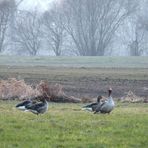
column 99, row 98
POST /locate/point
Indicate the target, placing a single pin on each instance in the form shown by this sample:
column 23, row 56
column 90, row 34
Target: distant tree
column 132, row 36
column 92, row 23
column 133, row 32
column 28, row 32
column 143, row 24
column 135, row 45
column 13, row 17
column 53, row 20
column 6, row 7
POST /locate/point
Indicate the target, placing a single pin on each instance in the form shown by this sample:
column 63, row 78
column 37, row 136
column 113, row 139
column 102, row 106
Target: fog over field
column 74, row 27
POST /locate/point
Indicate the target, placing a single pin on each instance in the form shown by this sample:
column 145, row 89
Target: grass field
column 101, row 62
column 66, row 126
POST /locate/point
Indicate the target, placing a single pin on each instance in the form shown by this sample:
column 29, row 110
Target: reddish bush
column 13, row 88
column 55, row 92
column 51, row 90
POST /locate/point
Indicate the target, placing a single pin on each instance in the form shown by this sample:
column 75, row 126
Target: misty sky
column 42, row 5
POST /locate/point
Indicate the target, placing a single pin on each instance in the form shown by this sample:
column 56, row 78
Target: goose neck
column 109, row 93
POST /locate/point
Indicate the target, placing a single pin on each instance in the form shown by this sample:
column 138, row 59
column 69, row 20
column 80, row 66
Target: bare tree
column 142, row 21
column 92, row 23
column 6, row 7
column 19, row 2
column 28, row 32
column 13, row 16
column 135, row 46
column 53, row 20
column 133, row 32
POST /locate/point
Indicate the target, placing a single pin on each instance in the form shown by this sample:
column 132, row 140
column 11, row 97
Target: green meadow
column 102, row 62
column 67, row 126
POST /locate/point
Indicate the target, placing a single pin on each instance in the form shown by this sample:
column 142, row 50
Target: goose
column 22, row 105
column 38, row 108
column 107, row 106
column 93, row 106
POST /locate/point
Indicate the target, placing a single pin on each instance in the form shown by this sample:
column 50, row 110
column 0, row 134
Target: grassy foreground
column 67, row 126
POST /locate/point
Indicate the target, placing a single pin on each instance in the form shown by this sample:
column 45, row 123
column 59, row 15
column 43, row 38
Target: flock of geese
column 42, row 106
column 101, row 107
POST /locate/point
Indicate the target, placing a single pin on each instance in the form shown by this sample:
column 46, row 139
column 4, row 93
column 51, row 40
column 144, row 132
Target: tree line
column 76, row 27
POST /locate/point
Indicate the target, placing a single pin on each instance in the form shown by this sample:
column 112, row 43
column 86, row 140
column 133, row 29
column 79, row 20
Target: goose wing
column 98, row 107
column 24, row 103
column 36, row 106
column 90, row 105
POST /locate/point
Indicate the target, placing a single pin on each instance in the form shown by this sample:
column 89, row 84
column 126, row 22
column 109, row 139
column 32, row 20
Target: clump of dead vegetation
column 88, row 100
column 55, row 92
column 13, row 88
column 91, row 100
column 18, row 89
column 132, row 98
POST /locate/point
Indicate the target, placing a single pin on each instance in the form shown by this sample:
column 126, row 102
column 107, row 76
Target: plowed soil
column 84, row 82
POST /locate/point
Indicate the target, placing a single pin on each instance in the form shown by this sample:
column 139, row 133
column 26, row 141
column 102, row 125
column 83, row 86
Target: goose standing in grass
column 107, row 106
column 38, row 108
column 93, row 106
column 22, row 105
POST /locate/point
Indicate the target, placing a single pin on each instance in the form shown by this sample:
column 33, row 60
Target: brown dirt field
column 84, row 82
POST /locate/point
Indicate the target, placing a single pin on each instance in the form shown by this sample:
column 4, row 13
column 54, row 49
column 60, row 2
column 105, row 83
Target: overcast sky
column 42, row 5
